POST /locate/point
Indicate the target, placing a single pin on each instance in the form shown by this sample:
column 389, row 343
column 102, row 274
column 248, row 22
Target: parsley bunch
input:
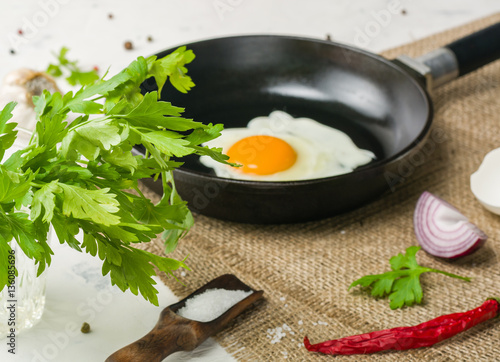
column 80, row 175
column 402, row 284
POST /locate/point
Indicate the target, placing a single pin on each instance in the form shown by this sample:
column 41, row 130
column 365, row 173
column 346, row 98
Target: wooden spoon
column 174, row 333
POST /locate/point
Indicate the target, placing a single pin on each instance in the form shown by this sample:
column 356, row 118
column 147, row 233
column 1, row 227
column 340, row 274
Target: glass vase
column 21, row 302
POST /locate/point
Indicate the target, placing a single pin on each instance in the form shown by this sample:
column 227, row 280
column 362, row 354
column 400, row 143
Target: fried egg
column 282, row 148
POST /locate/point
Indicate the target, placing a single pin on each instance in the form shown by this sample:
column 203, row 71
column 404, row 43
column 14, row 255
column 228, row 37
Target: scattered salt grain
column 282, row 299
column 300, row 322
column 322, row 323
column 286, row 305
column 276, row 334
column 183, row 273
column 212, row 303
column 342, row 232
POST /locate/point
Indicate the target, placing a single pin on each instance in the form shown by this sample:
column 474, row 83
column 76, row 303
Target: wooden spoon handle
column 140, row 351
column 171, row 334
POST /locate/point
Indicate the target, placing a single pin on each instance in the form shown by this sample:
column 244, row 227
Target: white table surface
column 76, row 291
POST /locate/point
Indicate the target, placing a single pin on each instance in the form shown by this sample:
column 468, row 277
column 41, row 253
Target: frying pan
column 383, row 105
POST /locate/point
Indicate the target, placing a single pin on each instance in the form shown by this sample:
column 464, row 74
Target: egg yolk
column 262, row 155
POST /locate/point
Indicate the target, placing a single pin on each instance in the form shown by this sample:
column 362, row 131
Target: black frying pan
column 383, row 105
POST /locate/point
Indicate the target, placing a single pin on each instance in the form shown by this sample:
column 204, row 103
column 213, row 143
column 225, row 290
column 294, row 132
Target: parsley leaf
column 402, row 284
column 45, row 197
column 95, row 205
column 23, row 231
column 173, row 66
column 7, row 133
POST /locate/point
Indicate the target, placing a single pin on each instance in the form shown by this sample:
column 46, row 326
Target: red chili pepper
column 403, row 338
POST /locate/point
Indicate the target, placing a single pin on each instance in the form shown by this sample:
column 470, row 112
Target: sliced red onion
column 443, row 231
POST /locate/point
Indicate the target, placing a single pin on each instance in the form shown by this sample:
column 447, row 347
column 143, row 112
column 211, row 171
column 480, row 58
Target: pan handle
column 476, row 50
column 456, row 59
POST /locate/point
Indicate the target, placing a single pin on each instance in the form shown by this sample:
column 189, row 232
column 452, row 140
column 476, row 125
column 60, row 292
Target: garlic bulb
column 485, row 182
column 20, row 86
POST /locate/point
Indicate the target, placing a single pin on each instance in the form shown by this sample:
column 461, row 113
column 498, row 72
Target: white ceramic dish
column 485, row 182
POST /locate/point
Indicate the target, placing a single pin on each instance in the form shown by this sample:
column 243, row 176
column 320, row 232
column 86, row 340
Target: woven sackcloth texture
column 305, row 269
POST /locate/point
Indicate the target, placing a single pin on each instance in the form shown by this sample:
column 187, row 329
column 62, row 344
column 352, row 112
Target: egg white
column 322, row 151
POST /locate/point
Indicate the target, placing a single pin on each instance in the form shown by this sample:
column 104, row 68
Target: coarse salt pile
column 210, row 304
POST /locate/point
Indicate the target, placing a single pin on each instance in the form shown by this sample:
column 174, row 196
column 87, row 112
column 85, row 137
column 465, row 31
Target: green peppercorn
column 85, row 328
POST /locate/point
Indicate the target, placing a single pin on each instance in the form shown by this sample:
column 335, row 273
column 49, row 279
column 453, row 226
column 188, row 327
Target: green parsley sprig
column 79, row 175
column 402, row 284
column 76, row 75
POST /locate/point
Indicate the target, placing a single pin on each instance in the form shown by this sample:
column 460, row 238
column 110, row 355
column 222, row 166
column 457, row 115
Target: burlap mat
column 305, row 269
